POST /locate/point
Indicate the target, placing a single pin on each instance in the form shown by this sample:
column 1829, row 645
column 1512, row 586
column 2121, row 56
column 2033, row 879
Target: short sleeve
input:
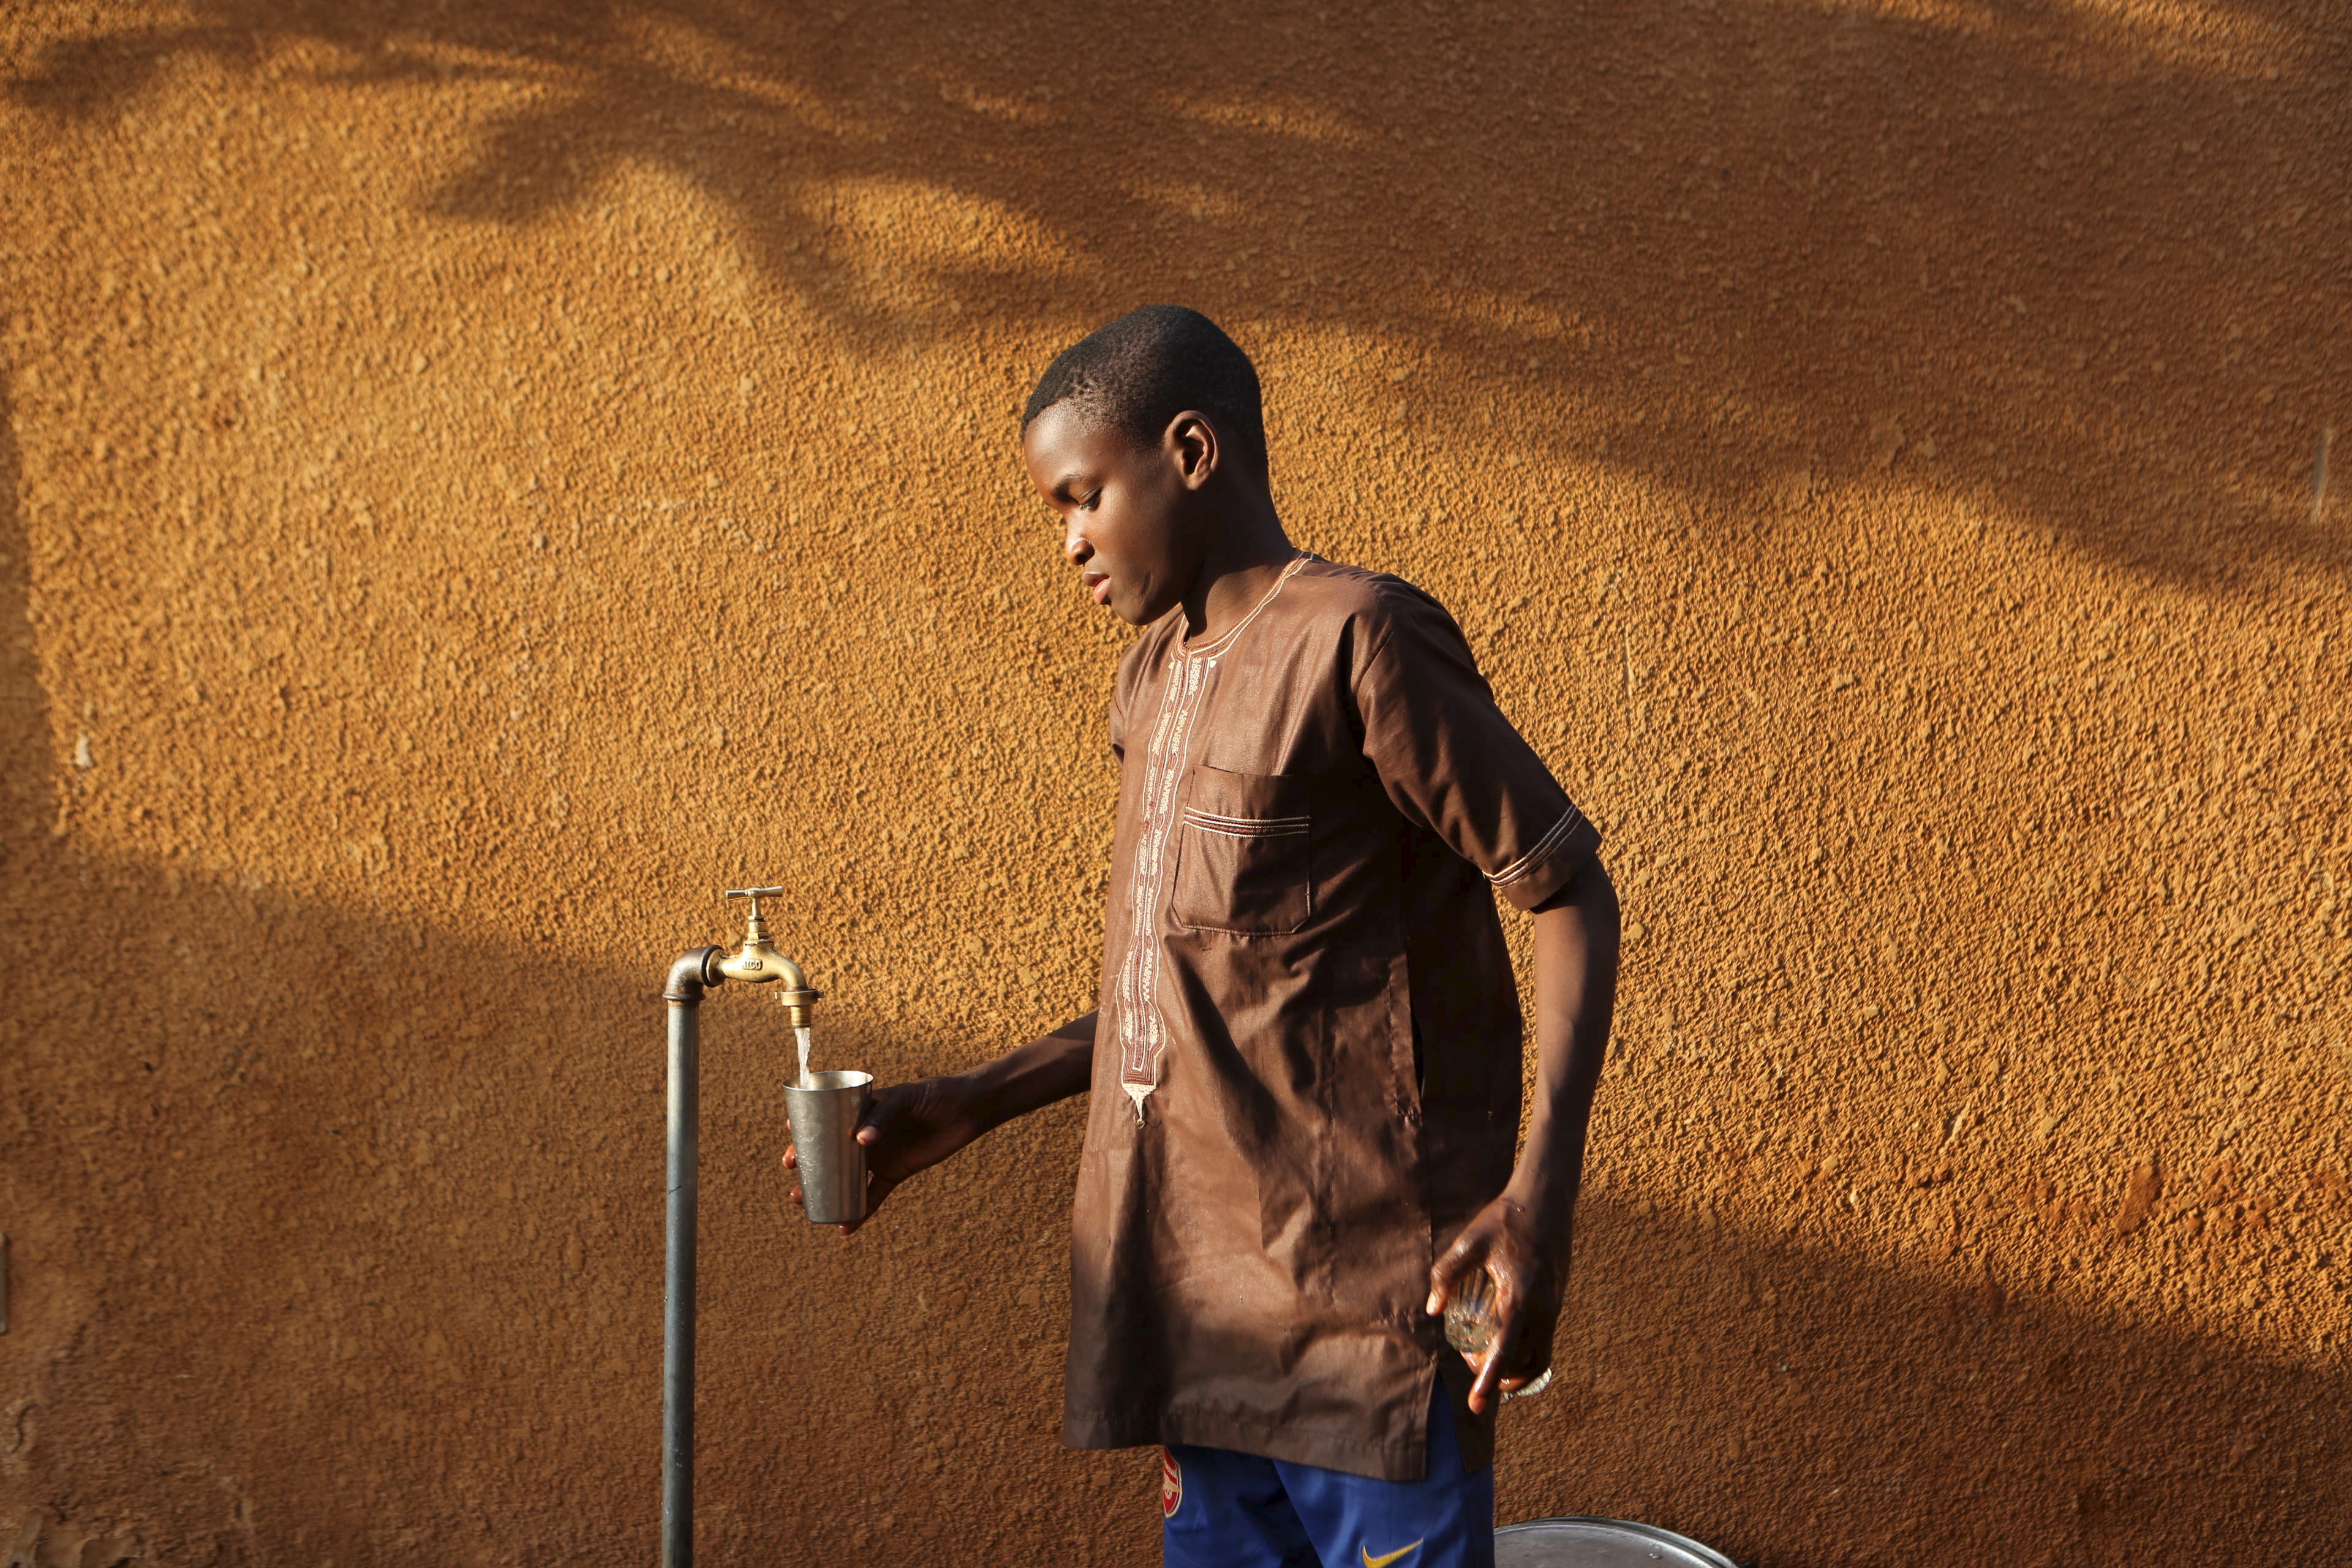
column 1452, row 762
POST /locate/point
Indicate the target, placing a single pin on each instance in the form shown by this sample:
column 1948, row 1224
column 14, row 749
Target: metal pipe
column 687, row 979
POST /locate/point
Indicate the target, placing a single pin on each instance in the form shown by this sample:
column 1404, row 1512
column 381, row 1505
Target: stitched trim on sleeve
column 1544, row 846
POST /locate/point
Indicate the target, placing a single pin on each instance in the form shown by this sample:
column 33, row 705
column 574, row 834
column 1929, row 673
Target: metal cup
column 830, row 1161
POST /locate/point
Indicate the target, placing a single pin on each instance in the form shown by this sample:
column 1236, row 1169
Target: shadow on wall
column 1792, row 1404
column 26, row 775
column 2072, row 266
column 415, row 1196
column 420, row 1173
column 2059, row 265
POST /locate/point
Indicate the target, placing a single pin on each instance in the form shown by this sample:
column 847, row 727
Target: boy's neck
column 1244, row 557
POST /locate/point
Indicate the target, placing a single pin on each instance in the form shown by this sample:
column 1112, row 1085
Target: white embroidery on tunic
column 1141, row 1033
column 1143, row 1037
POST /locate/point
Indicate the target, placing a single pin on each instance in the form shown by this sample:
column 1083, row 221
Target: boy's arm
column 1522, row 1238
column 912, row 1127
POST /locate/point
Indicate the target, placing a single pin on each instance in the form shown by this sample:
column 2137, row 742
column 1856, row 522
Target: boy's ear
column 1191, row 444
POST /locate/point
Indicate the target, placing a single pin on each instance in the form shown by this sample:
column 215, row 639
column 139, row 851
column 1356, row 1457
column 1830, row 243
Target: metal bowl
column 1583, row 1542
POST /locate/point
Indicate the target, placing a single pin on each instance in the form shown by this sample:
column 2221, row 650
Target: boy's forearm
column 1048, row 1069
column 1576, row 936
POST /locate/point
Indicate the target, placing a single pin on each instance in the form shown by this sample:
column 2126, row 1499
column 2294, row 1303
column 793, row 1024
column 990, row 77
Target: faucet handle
column 755, row 895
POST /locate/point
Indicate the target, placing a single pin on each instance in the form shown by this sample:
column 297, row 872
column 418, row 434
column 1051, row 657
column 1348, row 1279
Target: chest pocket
column 1242, row 862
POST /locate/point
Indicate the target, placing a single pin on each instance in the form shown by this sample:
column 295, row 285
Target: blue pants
column 1237, row 1511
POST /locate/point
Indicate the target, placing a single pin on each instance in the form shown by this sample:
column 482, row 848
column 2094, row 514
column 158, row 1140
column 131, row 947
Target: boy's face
column 1126, row 510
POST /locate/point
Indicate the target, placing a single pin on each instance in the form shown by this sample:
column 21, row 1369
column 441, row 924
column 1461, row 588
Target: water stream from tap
column 801, row 1033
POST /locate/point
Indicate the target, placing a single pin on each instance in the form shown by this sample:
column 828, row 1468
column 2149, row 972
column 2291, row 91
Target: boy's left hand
column 1505, row 1239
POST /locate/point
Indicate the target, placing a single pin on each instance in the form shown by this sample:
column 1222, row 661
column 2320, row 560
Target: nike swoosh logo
column 1386, row 1558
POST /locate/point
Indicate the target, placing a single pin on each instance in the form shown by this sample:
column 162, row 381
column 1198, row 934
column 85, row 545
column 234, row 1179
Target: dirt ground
column 477, row 479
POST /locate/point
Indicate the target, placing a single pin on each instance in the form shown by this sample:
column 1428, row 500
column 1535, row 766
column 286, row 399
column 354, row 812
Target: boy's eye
column 1092, row 502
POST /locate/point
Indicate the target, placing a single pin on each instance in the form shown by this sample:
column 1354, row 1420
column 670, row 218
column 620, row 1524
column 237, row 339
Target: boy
column 1305, row 1063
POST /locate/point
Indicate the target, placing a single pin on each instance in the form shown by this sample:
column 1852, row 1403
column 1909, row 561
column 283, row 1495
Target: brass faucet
column 757, row 964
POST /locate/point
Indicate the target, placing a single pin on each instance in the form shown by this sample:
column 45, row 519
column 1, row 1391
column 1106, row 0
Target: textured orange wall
column 479, row 478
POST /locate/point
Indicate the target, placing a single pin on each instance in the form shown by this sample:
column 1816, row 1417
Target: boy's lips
column 1098, row 587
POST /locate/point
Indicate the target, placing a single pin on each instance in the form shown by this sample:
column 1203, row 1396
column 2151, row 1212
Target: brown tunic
column 1308, row 1059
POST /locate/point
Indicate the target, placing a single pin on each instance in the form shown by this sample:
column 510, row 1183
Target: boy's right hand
column 909, row 1127
column 912, row 1127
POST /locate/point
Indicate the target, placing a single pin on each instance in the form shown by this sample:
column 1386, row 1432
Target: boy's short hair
column 1152, row 363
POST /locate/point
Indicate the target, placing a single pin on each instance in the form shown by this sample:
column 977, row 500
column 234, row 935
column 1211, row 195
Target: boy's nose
column 1076, row 547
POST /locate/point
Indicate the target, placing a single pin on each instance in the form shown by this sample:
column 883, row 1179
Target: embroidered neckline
column 1207, row 649
column 1138, row 1030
